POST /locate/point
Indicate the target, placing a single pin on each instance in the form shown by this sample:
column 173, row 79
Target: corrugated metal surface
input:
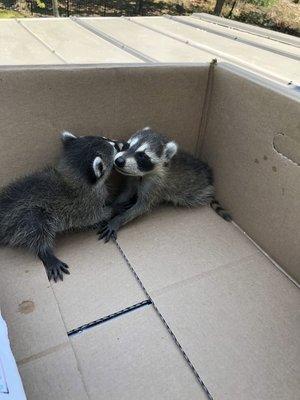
column 17, row 46
column 193, row 39
column 252, row 29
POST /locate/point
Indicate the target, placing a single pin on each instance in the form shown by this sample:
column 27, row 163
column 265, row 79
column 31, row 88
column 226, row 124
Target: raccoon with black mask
column 70, row 196
column 158, row 171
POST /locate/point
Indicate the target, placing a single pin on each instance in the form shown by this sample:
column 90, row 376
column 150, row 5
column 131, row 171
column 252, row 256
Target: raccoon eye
column 125, row 146
column 141, row 155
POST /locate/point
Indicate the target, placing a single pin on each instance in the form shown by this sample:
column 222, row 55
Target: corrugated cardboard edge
column 206, row 107
column 52, row 67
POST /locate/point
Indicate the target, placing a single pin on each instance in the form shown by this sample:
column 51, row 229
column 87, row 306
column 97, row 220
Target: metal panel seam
column 53, row 51
column 113, row 41
column 225, row 56
column 231, row 24
column 172, row 36
column 236, row 38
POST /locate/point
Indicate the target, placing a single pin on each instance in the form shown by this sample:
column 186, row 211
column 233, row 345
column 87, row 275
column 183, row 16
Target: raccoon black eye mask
column 158, row 171
column 69, row 196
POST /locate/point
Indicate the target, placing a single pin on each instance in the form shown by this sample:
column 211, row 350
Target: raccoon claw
column 57, row 270
column 106, row 233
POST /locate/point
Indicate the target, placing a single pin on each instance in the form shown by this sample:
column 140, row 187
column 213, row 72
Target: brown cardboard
column 133, row 357
column 100, row 282
column 288, row 146
column 234, row 314
column 55, row 375
column 114, row 102
column 240, row 327
column 180, row 244
column 28, row 305
column 257, row 184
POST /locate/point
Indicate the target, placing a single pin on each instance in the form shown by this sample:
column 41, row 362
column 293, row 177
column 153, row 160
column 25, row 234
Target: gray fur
column 70, row 196
column 166, row 176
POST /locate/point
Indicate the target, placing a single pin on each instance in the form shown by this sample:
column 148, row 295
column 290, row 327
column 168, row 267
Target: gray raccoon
column 36, row 207
column 157, row 171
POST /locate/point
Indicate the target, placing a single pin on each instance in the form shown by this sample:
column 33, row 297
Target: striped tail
column 215, row 205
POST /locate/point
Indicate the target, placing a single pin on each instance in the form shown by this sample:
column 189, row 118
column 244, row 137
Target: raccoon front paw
column 56, row 270
column 107, row 231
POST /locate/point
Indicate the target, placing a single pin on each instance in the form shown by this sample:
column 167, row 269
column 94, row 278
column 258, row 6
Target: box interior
column 219, row 286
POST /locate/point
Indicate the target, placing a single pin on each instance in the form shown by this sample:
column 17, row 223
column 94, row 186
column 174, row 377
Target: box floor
column 234, row 313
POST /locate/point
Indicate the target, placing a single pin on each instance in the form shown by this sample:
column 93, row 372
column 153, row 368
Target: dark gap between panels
column 109, row 317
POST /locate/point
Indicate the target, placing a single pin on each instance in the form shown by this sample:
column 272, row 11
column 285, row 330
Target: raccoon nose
column 120, row 162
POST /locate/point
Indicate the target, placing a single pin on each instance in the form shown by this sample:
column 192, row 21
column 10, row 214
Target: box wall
column 259, row 186
column 113, row 102
column 253, row 180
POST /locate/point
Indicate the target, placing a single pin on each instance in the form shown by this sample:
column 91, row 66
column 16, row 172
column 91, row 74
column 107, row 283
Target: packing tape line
column 108, row 317
column 185, row 356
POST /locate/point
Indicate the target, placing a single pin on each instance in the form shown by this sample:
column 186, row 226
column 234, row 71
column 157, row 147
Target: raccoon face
column 144, row 153
column 90, row 158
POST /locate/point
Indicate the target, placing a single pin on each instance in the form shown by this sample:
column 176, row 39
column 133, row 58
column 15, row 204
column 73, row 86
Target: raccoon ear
column 66, row 137
column 170, row 150
column 121, row 145
column 98, row 167
column 117, row 145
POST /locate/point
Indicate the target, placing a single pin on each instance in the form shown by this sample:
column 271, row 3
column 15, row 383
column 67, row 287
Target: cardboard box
column 223, row 311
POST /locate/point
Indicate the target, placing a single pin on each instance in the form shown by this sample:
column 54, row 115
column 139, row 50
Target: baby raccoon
column 159, row 172
column 71, row 196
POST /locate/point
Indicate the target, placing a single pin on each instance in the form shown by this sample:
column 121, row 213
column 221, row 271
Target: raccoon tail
column 215, row 205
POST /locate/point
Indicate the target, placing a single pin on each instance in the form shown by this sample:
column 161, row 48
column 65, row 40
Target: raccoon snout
column 120, row 162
